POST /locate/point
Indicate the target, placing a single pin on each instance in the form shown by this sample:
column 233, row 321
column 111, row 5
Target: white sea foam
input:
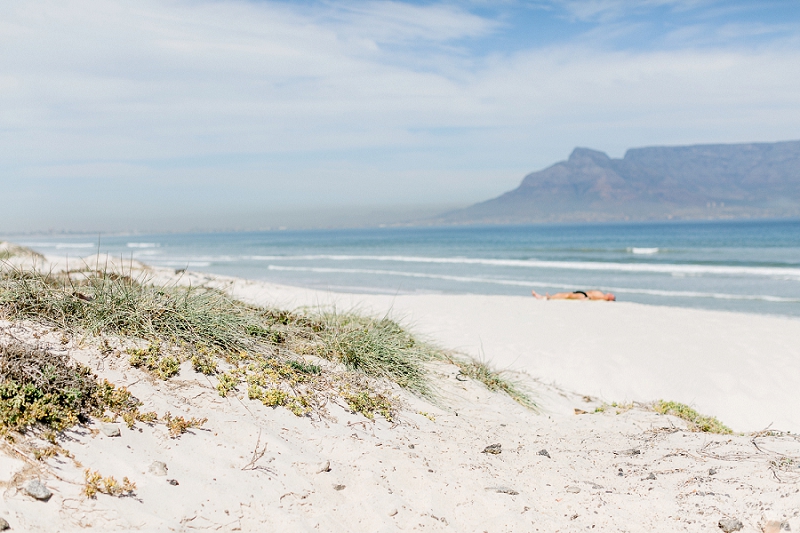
column 75, row 245
column 535, row 284
column 187, row 264
column 60, row 245
column 643, row 251
column 788, row 273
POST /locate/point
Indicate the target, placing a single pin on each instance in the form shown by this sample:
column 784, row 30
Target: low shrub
column 97, row 484
column 39, row 388
column 178, row 425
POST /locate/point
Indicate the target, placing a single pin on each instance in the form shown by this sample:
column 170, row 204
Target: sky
column 181, row 115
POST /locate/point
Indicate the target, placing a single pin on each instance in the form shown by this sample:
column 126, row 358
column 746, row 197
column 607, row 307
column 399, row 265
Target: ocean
column 743, row 266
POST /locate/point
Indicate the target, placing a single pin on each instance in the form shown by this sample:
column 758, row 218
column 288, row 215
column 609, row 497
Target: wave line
column 520, row 283
column 662, row 268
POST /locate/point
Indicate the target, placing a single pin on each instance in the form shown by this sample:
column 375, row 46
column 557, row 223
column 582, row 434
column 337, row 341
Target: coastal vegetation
column 297, row 360
column 696, row 421
column 9, row 250
column 97, row 484
column 42, row 389
column 493, row 380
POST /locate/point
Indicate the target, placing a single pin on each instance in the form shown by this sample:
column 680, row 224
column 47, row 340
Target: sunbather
column 576, row 295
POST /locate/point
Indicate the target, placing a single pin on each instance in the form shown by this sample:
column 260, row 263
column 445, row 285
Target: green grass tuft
column 378, row 347
column 494, row 380
column 697, row 422
column 107, row 303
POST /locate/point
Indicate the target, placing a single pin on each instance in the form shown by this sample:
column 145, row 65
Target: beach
column 400, row 266
column 593, row 457
column 740, row 367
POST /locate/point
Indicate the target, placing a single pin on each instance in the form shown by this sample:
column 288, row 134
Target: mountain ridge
column 650, row 183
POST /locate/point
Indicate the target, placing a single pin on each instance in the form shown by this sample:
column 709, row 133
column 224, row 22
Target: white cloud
column 374, row 102
column 398, row 22
column 608, row 10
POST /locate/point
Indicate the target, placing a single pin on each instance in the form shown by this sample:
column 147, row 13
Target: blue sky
column 208, row 114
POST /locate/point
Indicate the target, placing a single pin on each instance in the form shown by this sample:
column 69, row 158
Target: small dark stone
column 544, row 452
column 651, row 476
column 411, row 446
column 4, row 524
column 338, row 487
column 712, row 471
column 173, row 482
column 494, row 449
column 729, row 525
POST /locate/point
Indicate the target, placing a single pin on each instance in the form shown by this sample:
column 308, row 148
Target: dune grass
column 696, row 421
column 380, row 348
column 263, row 351
column 9, row 250
column 109, row 303
column 494, row 380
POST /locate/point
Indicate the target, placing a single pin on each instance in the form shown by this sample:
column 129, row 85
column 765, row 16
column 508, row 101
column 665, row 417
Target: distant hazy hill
column 722, row 180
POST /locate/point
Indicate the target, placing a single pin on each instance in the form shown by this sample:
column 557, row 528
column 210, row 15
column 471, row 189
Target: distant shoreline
column 11, row 236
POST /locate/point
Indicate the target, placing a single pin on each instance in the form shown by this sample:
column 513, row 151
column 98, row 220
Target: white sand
column 742, row 368
column 597, row 477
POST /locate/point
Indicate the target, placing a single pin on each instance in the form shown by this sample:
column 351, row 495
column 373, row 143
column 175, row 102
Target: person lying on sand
column 576, row 295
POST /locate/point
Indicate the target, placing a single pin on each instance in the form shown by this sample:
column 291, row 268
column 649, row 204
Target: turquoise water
column 746, row 266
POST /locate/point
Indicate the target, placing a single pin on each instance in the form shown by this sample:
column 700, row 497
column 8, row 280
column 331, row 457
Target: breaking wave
column 661, row 268
column 533, row 283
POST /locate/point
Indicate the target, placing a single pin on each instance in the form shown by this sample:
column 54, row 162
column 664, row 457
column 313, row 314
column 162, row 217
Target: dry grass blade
column 494, row 380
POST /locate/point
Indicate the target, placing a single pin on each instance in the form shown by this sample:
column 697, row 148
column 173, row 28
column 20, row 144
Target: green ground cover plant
column 97, row 484
column 696, row 421
column 45, row 390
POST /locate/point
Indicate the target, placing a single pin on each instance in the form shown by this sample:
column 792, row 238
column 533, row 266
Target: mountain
column 701, row 181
